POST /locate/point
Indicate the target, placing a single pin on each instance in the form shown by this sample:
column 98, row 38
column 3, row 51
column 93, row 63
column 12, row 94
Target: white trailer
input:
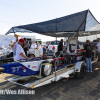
column 75, row 25
column 78, row 68
column 73, row 63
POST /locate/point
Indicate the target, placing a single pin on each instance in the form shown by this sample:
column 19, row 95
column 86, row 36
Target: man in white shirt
column 50, row 48
column 15, row 39
column 19, row 52
column 33, row 45
column 98, row 48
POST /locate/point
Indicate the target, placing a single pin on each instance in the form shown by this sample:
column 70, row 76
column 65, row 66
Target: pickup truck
column 55, row 45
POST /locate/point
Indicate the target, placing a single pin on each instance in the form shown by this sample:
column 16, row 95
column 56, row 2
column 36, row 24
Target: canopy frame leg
column 60, row 55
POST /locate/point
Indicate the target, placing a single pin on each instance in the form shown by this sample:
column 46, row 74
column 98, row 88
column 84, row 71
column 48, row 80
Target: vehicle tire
column 46, row 69
column 82, row 72
column 68, row 59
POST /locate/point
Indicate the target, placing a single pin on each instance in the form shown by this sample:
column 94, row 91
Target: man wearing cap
column 20, row 54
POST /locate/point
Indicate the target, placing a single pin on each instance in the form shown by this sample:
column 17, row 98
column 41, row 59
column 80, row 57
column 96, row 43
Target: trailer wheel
column 46, row 69
column 82, row 72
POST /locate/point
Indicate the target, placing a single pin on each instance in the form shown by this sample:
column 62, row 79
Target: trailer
column 44, row 70
column 40, row 80
column 49, row 68
column 34, row 81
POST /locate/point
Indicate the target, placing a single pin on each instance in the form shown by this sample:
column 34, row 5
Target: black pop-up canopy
column 83, row 23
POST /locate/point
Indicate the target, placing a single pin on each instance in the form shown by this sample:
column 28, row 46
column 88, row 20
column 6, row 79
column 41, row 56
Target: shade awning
column 82, row 23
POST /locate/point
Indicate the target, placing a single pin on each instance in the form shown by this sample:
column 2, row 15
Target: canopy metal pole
column 56, row 25
column 13, row 31
column 56, row 38
column 96, row 36
column 60, row 55
column 57, row 58
column 68, row 43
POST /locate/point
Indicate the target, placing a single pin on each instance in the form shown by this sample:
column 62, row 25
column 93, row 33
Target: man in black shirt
column 88, row 55
column 60, row 48
column 88, row 48
column 60, row 45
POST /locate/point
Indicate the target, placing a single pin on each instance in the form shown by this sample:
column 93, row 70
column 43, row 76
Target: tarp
column 83, row 23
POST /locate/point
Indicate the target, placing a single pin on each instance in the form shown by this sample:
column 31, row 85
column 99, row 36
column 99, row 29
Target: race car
column 35, row 65
column 44, row 65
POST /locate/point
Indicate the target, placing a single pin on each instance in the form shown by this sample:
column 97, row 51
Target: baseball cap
column 21, row 40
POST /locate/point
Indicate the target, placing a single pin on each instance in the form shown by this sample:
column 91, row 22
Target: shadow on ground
column 71, row 89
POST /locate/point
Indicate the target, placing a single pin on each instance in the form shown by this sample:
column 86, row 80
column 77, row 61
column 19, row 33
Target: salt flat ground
column 71, row 89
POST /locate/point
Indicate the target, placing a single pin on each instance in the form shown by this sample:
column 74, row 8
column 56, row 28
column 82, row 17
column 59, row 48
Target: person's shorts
column 98, row 55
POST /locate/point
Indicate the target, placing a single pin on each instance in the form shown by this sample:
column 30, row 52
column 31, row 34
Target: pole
column 56, row 38
column 60, row 55
column 68, row 43
column 56, row 59
column 13, row 31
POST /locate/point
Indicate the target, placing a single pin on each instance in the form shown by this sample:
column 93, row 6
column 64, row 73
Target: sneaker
column 87, row 71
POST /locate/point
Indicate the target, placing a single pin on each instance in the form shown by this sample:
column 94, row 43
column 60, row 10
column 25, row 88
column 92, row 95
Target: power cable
column 18, row 6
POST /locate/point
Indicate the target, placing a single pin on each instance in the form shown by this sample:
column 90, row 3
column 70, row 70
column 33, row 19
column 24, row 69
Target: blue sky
column 20, row 12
